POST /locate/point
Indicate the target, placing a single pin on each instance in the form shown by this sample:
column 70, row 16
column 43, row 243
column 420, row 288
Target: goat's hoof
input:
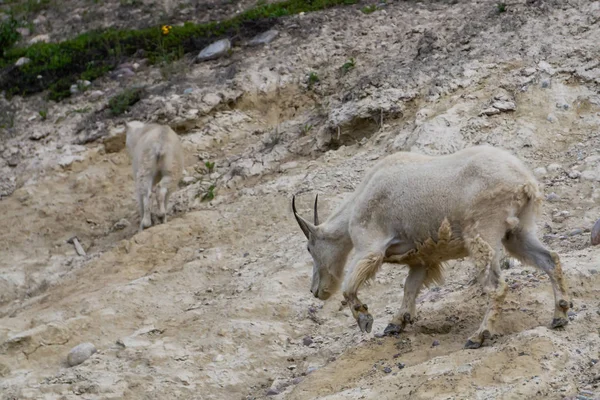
column 392, row 330
column 365, row 322
column 145, row 224
column 558, row 322
column 472, row 345
column 564, row 305
column 408, row 318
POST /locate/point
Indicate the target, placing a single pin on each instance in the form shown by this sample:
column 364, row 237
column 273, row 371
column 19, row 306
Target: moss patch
column 55, row 66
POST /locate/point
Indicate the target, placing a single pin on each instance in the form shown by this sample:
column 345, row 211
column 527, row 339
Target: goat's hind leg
column 487, row 258
column 364, row 265
column 144, row 191
column 525, row 246
column 412, row 287
column 163, row 197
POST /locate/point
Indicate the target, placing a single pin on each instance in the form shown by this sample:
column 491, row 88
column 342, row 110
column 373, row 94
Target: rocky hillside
column 215, row 304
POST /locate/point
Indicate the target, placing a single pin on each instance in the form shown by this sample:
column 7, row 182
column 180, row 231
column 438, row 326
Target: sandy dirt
column 215, row 304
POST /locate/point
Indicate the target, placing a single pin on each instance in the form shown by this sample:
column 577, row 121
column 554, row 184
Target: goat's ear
column 306, row 226
column 132, row 126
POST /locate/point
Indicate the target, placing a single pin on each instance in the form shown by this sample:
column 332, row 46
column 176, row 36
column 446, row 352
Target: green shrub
column 55, row 66
column 8, row 34
column 124, row 100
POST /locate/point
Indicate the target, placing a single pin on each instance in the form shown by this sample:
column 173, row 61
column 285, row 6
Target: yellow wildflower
column 166, row 29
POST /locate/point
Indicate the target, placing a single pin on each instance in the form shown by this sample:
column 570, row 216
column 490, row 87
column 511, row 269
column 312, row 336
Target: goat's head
column 328, row 253
column 133, row 131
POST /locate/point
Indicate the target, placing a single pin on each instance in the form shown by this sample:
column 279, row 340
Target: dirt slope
column 215, row 304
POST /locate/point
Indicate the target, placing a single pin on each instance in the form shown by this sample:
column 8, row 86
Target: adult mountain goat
column 157, row 159
column 423, row 210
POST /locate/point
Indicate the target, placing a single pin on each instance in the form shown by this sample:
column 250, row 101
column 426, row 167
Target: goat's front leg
column 412, row 287
column 363, row 267
column 487, row 258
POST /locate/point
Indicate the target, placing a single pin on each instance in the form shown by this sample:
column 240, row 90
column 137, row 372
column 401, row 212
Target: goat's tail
column 529, row 201
column 158, row 150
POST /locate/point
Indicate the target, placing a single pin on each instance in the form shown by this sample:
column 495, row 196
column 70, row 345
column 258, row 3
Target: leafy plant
column 124, row 100
column 312, row 79
column 210, row 193
column 501, row 7
column 348, row 65
column 82, row 110
column 7, row 117
column 43, row 114
column 210, row 166
column 369, row 9
column 306, row 128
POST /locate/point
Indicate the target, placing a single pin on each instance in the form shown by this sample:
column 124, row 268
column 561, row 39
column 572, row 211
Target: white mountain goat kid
column 423, row 210
column 157, row 159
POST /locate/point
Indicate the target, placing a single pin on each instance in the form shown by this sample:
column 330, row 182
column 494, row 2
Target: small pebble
column 387, row 370
column 540, row 172
column 80, row 353
column 554, row 168
column 435, row 343
column 272, row 392
column 595, row 235
column 552, row 197
column 121, row 224
column 307, row 341
column 576, row 232
column 396, row 355
column 401, row 365
column 297, row 380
